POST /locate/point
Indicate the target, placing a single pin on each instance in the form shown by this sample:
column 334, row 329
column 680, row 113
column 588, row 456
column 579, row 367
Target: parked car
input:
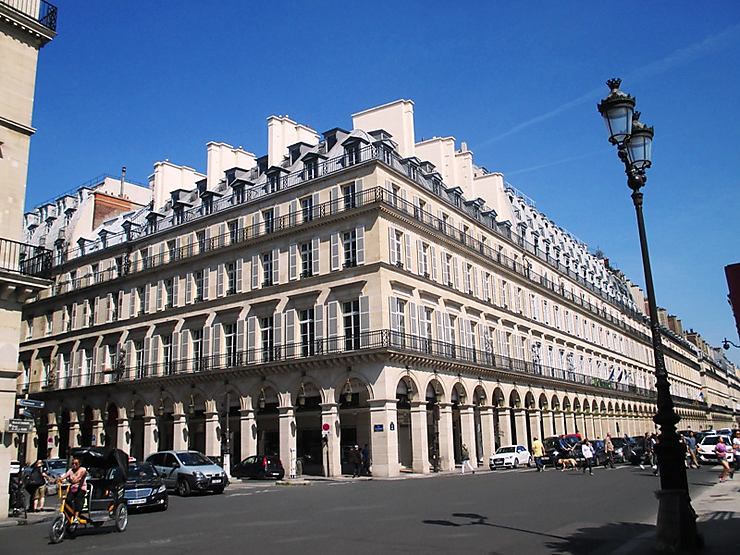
column 144, row 487
column 557, row 447
column 15, row 467
column 638, row 449
column 188, row 471
column 622, row 449
column 510, row 456
column 259, row 467
column 706, row 449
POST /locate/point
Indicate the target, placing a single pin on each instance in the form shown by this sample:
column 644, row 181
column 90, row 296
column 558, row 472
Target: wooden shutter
column 160, row 295
column 240, row 339
column 413, row 318
column 407, row 240
column 335, row 264
column 176, row 291
column 293, row 214
column 277, row 332
column 206, row 283
column 275, row 266
column 251, row 329
column 364, row 321
column 292, row 261
column 220, row 271
column 188, row 288
column 331, row 318
column 445, row 268
column 315, row 244
column 206, row 347
column 419, row 257
column 255, row 271
column 315, row 205
column 175, row 363
column 290, row 333
column 391, row 246
column 216, row 332
column 433, row 262
column 240, row 275
column 456, row 272
column 318, row 318
column 360, row 235
column 184, row 364
column 334, row 200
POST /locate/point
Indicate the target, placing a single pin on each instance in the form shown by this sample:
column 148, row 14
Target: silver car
column 188, row 471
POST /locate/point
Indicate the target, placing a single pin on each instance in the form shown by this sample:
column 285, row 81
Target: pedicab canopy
column 101, row 460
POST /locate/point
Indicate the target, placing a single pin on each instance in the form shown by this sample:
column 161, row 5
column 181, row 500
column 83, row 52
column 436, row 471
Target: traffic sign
column 19, row 426
column 325, row 427
column 30, row 403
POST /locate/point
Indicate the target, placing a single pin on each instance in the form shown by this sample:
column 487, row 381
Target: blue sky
column 130, row 83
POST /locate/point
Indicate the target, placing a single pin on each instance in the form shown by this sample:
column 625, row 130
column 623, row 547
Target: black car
column 557, row 448
column 259, row 467
column 144, row 487
column 622, row 449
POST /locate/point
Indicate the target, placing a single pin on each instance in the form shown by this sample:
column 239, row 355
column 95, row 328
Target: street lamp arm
column 726, row 344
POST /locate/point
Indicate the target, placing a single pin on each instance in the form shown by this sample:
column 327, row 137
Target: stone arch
column 353, row 383
column 435, row 391
column 498, row 399
column 594, row 407
column 610, row 407
column 480, row 396
column 306, row 389
column 459, row 394
column 407, row 386
column 515, row 400
column 576, row 405
column 555, row 402
column 602, row 407
column 542, row 402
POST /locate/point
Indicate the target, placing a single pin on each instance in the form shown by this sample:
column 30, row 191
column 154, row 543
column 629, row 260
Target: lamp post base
column 676, row 526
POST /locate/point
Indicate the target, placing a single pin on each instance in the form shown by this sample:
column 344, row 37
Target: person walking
column 721, row 451
column 465, row 459
column 538, row 451
column 588, row 457
column 366, row 460
column 736, row 452
column 691, row 447
column 355, row 457
column 609, row 450
column 37, row 481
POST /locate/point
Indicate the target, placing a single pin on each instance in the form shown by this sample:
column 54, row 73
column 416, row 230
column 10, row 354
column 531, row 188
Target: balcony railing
column 39, row 10
column 330, row 347
column 27, row 260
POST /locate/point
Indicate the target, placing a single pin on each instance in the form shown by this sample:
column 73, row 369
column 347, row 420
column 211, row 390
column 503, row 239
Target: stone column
column 559, row 424
column 487, row 433
column 98, row 429
column 419, row 437
column 446, row 445
column 467, row 431
column 504, row 426
column 534, row 426
column 287, row 440
column 568, row 425
column 213, row 434
column 384, row 437
column 179, row 430
column 589, row 425
column 331, row 450
column 520, row 423
column 547, row 422
column 123, row 434
column 151, row 435
column 599, row 426
column 247, row 433
column 52, row 446
column 74, row 430
column 32, row 446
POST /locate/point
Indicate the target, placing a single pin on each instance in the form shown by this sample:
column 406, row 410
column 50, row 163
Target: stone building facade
column 351, row 288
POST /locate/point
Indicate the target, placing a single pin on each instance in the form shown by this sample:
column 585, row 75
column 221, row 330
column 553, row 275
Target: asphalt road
column 502, row 512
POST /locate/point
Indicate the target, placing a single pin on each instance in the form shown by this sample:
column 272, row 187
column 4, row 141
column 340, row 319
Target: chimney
column 123, row 179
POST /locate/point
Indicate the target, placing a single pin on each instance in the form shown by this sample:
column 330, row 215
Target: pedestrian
column 465, row 459
column 77, row 476
column 654, row 453
column 609, row 450
column 538, row 451
column 691, row 447
column 736, row 451
column 365, row 454
column 37, row 481
column 721, row 451
column 355, row 458
column 588, row 457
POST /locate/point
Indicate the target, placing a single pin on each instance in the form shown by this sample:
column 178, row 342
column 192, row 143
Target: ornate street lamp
column 726, row 344
column 676, row 526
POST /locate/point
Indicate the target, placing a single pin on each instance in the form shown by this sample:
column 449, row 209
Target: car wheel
column 121, row 517
column 58, row 527
column 183, row 488
column 218, row 491
column 165, row 505
column 516, row 463
column 529, row 463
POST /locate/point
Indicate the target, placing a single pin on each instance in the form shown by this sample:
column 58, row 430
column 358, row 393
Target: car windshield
column 618, row 442
column 711, row 440
column 551, row 443
column 57, row 464
column 506, row 450
column 141, row 470
column 193, row 459
column 570, row 441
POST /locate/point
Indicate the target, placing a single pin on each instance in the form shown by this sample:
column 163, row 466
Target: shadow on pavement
column 474, row 519
column 600, row 539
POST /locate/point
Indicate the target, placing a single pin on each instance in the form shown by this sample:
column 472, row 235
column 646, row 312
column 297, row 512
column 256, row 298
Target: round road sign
column 325, row 427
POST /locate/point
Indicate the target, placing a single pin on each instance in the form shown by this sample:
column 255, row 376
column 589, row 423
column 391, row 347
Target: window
column 113, row 307
column 196, row 338
column 469, row 278
column 425, row 326
column 140, row 300
column 172, row 251
column 447, row 268
column 179, row 215
column 167, row 364
column 65, row 380
column 267, row 269
column 120, row 266
column 66, row 319
column 139, row 358
column 45, row 372
column 504, row 297
column 306, row 324
column 424, row 260
column 26, row 377
column 351, row 313
column 351, row 154
column 230, row 344
column 230, row 278
column 397, row 253
column 200, row 237
column 268, row 217
column 534, row 307
column 546, row 312
column 90, row 313
column 348, row 195
column 198, row 278
column 307, row 208
column 95, row 272
column 306, row 260
column 395, row 194
column 207, row 206
column 349, row 242
column 267, row 339
column 238, row 194
column 310, row 168
column 421, row 209
column 233, row 231
column 168, row 291
column 48, row 324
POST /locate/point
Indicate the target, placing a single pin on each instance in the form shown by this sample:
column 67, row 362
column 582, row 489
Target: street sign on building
column 30, row 403
column 19, row 426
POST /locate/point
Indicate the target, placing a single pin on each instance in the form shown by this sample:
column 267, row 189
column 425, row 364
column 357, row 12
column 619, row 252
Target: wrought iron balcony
column 23, row 259
column 38, row 10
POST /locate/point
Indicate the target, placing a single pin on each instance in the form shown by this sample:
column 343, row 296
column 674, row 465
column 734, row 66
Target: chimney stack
column 123, row 179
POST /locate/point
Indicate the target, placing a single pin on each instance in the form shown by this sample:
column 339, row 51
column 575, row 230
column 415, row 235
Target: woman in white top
column 588, row 457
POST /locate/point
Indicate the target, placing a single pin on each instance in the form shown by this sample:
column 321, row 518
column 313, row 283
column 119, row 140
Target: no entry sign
column 325, row 427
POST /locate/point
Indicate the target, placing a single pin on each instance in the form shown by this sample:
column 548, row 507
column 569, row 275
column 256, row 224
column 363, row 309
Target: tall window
column 306, row 260
column 351, row 313
column 208, row 205
column 140, row 300
column 268, row 217
column 200, row 237
column 396, row 246
column 306, row 323
column 48, row 324
column 167, row 354
column 267, row 338
column 448, row 268
column 196, row 339
column 230, row 344
column 307, row 208
column 233, row 231
column 267, row 269
column 168, row 290
column 198, row 278
column 67, row 318
column 230, row 278
column 351, row 154
column 349, row 242
column 172, row 250
column 504, row 296
column 139, row 358
column 348, row 195
column 45, row 372
column 424, row 260
column 426, row 328
column 310, row 168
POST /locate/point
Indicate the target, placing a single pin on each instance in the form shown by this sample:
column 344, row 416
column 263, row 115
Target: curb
column 292, row 483
column 10, row 522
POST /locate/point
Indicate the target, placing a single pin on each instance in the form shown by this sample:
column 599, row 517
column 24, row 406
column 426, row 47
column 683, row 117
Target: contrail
column 676, row 58
column 556, row 162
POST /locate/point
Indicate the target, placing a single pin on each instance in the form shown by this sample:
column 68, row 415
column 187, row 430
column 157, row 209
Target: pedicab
column 104, row 502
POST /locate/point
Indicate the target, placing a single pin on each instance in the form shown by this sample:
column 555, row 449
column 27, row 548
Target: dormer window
column 179, row 215
column 412, row 171
column 151, row 226
column 207, row 206
column 238, row 193
column 310, row 169
column 351, row 154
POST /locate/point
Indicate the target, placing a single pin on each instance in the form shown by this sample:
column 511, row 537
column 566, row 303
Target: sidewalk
column 33, row 518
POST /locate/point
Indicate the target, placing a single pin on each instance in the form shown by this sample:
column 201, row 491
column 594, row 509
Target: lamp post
column 676, row 525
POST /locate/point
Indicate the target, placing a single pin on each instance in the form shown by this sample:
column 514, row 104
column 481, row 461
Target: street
column 490, row 512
